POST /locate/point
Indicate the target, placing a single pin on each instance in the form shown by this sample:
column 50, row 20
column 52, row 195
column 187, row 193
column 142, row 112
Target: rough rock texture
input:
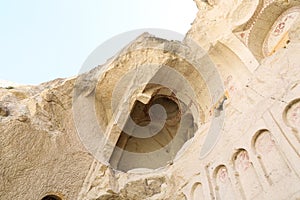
column 257, row 155
column 40, row 150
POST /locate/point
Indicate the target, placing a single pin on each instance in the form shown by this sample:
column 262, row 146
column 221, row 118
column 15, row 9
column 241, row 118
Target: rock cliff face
column 232, row 116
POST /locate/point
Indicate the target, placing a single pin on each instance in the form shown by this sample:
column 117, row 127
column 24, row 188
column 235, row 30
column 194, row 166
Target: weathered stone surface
column 257, row 155
column 40, row 150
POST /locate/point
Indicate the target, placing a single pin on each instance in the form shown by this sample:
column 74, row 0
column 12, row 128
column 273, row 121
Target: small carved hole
column 51, row 197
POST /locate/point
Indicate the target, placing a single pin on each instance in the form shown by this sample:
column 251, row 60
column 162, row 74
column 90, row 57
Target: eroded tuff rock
column 256, row 155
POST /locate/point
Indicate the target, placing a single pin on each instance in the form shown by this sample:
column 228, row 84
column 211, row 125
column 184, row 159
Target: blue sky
column 46, row 39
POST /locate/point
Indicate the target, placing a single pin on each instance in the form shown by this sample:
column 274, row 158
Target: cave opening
column 147, row 150
column 51, row 197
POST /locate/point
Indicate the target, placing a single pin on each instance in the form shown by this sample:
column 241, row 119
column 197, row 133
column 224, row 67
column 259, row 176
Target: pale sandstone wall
column 40, row 150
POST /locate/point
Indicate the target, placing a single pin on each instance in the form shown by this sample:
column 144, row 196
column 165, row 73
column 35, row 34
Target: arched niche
column 278, row 36
column 270, row 30
column 232, row 69
column 270, row 156
column 197, row 191
column 246, row 174
column 223, row 184
column 291, row 116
